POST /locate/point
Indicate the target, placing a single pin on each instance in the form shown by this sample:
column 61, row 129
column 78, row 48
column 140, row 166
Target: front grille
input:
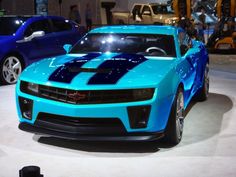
column 80, row 125
column 77, row 121
column 85, row 96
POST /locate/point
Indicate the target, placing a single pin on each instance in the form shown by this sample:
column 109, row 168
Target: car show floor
column 207, row 148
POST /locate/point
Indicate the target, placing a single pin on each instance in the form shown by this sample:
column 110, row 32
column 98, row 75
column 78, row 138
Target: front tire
column 174, row 129
column 10, row 69
column 203, row 92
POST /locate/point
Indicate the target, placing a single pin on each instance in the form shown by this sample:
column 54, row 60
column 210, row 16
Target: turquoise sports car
column 118, row 83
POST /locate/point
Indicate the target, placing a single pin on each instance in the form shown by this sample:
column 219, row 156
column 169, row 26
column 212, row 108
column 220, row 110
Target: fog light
column 26, row 106
column 138, row 116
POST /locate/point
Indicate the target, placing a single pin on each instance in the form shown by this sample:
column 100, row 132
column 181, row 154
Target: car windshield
column 162, row 9
column 9, row 25
column 143, row 44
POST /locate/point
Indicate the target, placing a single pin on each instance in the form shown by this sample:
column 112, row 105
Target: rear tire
column 203, row 92
column 174, row 129
column 10, row 69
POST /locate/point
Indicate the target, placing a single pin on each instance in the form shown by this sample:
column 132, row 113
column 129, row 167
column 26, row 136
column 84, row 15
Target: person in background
column 88, row 17
column 194, row 4
column 202, row 24
column 74, row 14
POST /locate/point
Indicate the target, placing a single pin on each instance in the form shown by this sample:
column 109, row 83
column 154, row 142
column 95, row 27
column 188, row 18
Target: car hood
column 99, row 71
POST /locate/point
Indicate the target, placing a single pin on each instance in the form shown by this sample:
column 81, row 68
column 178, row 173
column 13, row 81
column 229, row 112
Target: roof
column 137, row 29
column 29, row 16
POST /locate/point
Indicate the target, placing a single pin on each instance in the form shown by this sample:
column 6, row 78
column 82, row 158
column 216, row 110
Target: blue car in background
column 130, row 83
column 26, row 39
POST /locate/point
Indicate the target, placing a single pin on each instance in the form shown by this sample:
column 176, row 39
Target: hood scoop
column 89, row 70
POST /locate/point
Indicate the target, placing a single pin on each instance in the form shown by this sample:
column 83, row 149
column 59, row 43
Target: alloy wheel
column 206, row 80
column 180, row 115
column 11, row 69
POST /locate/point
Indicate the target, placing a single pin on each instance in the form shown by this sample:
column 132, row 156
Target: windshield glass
column 162, row 9
column 143, row 44
column 9, row 25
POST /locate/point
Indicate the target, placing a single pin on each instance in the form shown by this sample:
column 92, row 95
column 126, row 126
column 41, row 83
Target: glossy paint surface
column 51, row 44
column 165, row 74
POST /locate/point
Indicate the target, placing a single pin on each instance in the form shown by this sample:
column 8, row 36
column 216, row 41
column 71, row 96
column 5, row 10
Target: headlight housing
column 29, row 88
column 87, row 96
column 143, row 94
column 33, row 87
column 171, row 21
column 168, row 21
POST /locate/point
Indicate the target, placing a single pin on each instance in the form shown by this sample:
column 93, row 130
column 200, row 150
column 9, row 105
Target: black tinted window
column 136, row 9
column 146, row 8
column 9, row 25
column 162, row 9
column 61, row 25
column 185, row 42
column 41, row 25
column 143, row 44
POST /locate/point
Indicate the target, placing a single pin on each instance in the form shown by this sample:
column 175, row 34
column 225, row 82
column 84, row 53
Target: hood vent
column 89, row 70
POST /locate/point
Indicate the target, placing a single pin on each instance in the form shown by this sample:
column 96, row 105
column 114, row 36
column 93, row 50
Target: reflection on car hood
column 95, row 70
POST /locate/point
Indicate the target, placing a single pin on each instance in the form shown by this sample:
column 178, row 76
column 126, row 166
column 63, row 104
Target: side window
column 136, row 9
column 146, row 9
column 61, row 25
column 164, row 9
column 182, row 38
column 41, row 25
column 184, row 42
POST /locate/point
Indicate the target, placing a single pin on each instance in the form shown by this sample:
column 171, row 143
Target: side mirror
column 146, row 12
column 67, row 47
column 192, row 51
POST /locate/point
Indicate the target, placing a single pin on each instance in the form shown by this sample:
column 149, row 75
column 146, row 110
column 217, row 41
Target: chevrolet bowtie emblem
column 77, row 96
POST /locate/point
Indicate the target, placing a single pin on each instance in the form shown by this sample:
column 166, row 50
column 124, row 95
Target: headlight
column 168, row 21
column 33, row 87
column 143, row 94
column 29, row 88
column 171, row 21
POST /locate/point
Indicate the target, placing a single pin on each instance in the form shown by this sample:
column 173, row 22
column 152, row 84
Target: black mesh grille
column 85, row 97
column 80, row 125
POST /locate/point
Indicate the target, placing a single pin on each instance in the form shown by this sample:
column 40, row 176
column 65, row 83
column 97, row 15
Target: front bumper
column 153, row 130
column 84, row 137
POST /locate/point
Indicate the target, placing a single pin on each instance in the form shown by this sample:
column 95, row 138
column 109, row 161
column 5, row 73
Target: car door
column 40, row 47
column 135, row 16
column 64, row 33
column 189, row 64
column 146, row 15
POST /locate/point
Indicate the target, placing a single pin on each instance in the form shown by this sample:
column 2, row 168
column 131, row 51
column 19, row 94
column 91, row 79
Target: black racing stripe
column 118, row 66
column 66, row 72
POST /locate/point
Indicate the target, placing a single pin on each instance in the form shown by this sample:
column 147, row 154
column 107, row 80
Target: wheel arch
column 180, row 85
